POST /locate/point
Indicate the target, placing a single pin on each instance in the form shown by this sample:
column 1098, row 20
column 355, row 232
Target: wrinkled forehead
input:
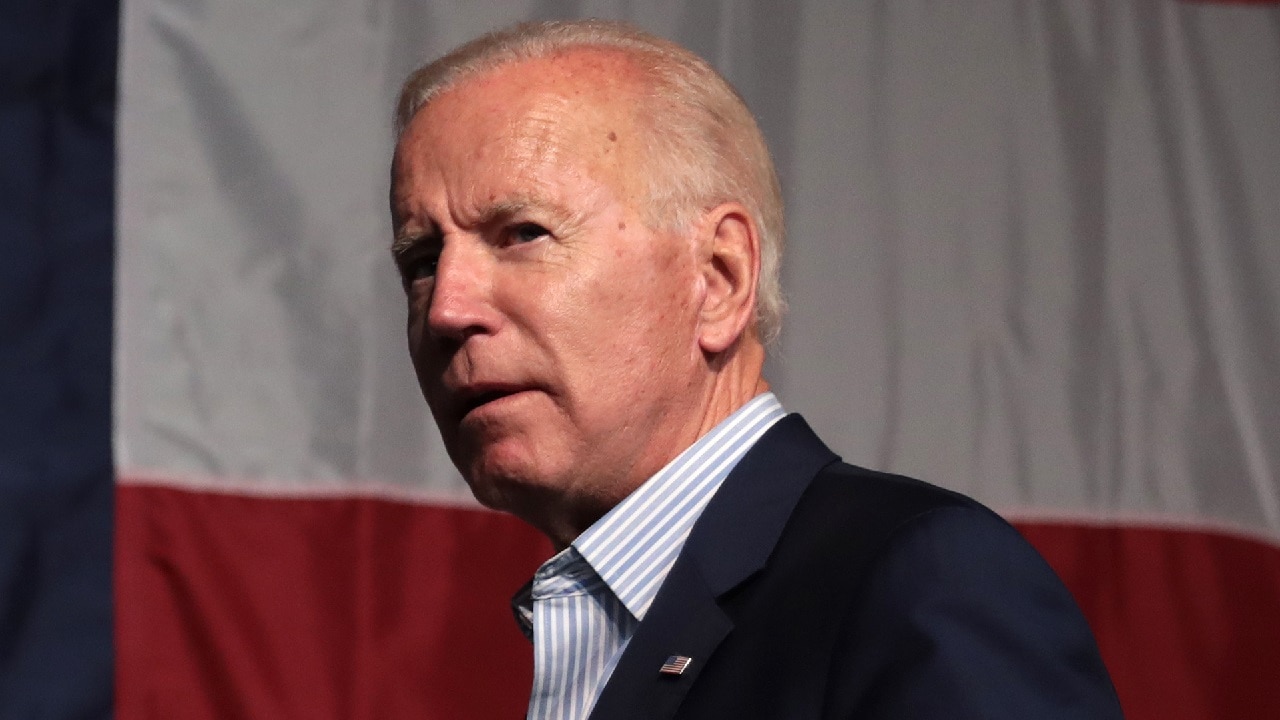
column 573, row 108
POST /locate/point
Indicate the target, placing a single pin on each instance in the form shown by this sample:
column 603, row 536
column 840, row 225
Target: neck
column 732, row 379
column 736, row 378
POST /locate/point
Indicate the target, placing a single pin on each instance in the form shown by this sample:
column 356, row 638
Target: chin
column 537, row 498
column 499, row 486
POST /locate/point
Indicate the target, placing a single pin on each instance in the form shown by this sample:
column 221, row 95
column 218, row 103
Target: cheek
column 416, row 334
column 415, row 323
column 658, row 296
column 641, row 317
column 615, row 318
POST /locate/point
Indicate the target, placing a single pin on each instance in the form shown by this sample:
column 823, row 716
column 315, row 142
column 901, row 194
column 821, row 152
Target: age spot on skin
column 613, row 136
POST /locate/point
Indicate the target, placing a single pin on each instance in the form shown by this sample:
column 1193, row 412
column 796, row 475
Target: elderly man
column 588, row 227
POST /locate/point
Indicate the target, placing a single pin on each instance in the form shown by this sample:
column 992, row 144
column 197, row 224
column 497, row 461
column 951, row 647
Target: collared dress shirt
column 584, row 604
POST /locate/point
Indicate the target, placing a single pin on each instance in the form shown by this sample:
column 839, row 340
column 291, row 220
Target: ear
column 730, row 268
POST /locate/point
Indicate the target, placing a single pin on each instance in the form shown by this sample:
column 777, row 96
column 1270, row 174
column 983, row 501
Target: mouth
column 474, row 398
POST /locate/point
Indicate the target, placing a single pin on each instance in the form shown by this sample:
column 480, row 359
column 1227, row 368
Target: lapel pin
column 675, row 665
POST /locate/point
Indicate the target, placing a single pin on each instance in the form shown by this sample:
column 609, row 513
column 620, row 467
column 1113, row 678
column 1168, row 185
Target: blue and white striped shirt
column 584, row 604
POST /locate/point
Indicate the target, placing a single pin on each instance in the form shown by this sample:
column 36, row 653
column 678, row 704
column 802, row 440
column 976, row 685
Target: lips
column 473, row 397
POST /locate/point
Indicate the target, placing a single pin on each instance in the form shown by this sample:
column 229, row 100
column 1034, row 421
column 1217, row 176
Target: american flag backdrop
column 1034, row 255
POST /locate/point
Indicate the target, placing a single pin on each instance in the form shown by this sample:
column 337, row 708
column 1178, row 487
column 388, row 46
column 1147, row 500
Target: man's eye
column 527, row 232
column 420, row 265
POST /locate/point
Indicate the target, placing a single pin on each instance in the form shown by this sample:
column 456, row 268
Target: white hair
column 706, row 146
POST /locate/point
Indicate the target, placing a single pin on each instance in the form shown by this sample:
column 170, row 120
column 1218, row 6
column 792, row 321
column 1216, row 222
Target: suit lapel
column 730, row 542
column 685, row 621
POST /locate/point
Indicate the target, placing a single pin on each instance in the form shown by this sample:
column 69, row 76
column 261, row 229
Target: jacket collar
column 730, row 542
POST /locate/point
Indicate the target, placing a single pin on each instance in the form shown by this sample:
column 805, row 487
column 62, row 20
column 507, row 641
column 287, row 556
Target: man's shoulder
column 884, row 500
column 792, row 452
column 811, row 512
column 858, row 511
column 792, row 487
column 859, row 484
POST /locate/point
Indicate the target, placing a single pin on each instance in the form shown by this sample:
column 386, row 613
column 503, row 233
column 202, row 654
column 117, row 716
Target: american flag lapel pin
column 675, row 665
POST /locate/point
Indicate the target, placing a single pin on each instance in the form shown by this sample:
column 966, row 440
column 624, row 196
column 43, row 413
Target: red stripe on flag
column 1188, row 622
column 230, row 607
column 234, row 607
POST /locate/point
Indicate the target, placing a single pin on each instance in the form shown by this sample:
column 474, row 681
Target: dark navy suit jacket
column 814, row 589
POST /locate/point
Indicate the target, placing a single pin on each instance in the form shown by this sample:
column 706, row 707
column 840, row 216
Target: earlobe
column 731, row 268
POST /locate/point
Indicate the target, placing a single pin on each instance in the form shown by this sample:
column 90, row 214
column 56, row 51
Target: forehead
column 572, row 109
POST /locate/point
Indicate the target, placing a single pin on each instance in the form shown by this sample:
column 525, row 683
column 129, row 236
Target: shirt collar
column 633, row 547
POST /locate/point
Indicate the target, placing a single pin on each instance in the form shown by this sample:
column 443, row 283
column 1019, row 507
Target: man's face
column 553, row 333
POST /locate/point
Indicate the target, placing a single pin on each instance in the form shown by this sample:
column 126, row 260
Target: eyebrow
column 513, row 205
column 404, row 242
column 492, row 214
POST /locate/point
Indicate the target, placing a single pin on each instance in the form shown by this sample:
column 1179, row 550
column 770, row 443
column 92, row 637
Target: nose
column 461, row 295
